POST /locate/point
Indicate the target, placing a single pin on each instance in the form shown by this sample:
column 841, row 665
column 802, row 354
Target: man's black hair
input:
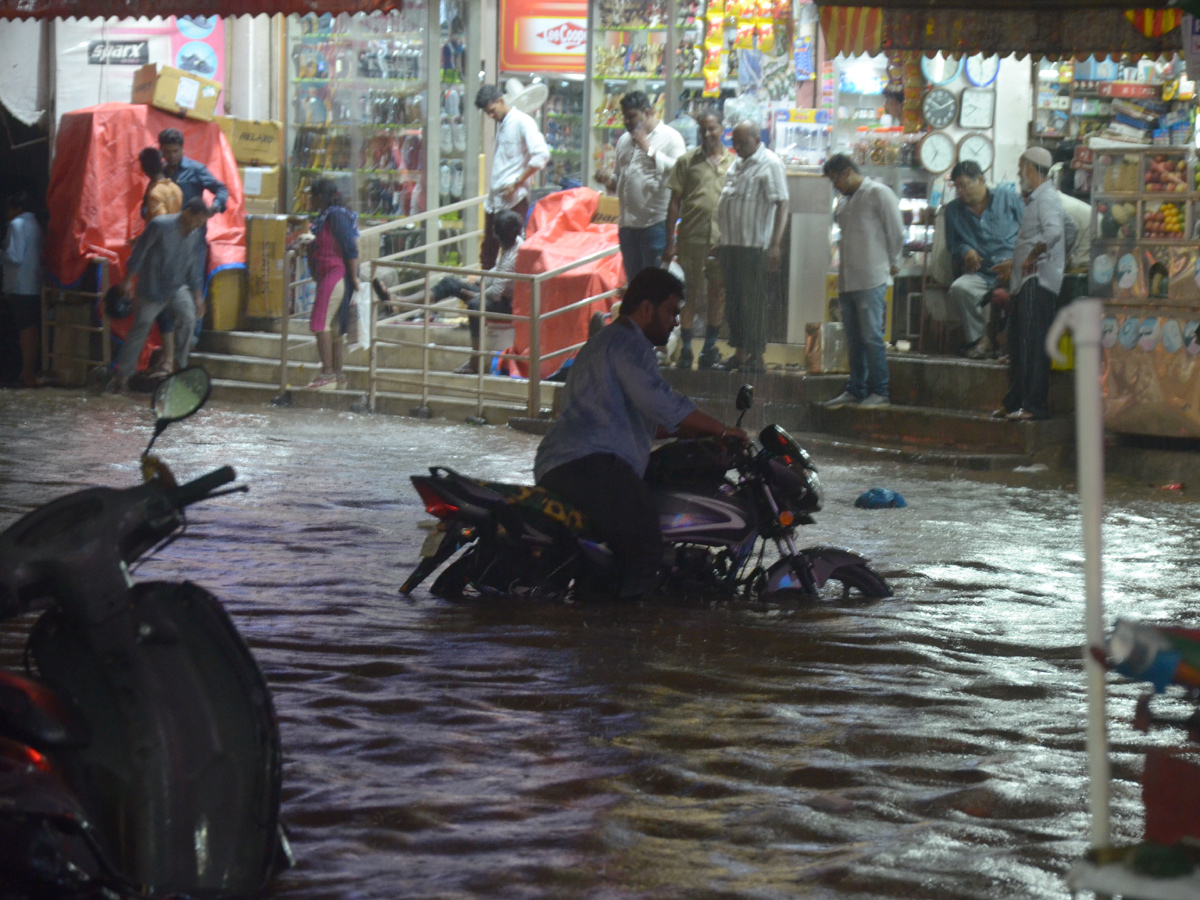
column 653, row 284
column 507, row 226
column 21, row 200
column 152, row 161
column 170, row 136
column 636, row 100
column 967, row 168
column 487, row 95
column 837, row 164
column 196, row 205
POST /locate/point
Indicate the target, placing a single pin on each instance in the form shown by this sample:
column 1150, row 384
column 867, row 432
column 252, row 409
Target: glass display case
column 357, row 109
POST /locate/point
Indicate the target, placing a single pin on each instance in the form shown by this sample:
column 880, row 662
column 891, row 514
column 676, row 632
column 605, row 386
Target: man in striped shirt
column 751, row 215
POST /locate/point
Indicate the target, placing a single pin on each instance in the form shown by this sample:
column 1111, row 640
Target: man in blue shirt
column 981, row 228
column 617, row 403
column 192, row 177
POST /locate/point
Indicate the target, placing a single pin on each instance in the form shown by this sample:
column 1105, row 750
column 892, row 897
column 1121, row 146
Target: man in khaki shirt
column 696, row 183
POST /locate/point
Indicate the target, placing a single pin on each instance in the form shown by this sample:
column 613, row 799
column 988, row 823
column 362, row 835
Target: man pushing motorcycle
column 617, row 402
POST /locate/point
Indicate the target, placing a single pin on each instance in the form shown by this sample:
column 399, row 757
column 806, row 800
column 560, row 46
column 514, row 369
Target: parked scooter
column 522, row 540
column 139, row 751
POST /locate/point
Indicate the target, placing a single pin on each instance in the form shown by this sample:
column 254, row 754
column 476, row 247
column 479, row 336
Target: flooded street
column 930, row 746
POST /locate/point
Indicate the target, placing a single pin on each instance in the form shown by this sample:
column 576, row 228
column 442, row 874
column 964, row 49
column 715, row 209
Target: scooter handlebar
column 194, row 491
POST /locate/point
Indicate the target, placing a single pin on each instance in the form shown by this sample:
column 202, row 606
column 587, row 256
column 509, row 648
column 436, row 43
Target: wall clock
column 978, row 108
column 940, row 69
column 936, row 152
column 977, row 148
column 939, row 108
column 982, row 70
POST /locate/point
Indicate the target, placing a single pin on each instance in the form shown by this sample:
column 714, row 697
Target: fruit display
column 1120, row 173
column 1116, row 220
column 1162, row 222
column 1166, row 174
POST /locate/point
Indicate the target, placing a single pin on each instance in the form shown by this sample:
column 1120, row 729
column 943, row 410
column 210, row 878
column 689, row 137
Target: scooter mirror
column 745, row 397
column 178, row 396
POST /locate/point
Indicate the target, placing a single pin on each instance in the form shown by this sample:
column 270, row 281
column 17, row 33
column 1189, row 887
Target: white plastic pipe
column 1082, row 318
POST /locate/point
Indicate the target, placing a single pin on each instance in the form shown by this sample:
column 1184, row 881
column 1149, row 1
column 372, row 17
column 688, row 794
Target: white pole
column 1082, row 317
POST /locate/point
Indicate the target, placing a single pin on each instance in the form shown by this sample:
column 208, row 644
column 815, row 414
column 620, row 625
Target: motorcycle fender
column 824, row 560
column 183, row 723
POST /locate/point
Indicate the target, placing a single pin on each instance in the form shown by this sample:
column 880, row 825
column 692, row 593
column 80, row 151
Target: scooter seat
column 541, row 500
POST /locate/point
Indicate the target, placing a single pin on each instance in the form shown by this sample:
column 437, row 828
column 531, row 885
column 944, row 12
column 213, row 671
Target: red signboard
column 543, row 35
column 1129, row 90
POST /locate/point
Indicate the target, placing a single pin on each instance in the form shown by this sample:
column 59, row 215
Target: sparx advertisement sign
column 543, row 35
column 118, row 53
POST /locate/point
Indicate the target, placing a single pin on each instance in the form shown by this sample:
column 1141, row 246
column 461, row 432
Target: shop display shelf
column 615, row 28
column 1171, row 224
column 312, row 170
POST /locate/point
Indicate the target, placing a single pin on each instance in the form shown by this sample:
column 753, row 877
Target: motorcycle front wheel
column 824, row 573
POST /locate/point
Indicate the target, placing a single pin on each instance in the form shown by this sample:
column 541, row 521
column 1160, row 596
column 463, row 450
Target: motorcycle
column 521, row 540
column 139, row 749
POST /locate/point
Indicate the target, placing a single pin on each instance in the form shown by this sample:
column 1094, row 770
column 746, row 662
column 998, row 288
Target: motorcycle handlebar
column 197, row 490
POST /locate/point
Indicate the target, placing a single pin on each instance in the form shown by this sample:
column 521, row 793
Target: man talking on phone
column 646, row 155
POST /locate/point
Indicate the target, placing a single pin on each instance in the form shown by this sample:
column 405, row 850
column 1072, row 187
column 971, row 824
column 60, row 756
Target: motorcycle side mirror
column 745, row 400
column 177, row 397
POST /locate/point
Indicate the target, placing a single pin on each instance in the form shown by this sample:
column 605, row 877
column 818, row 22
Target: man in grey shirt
column 596, row 453
column 1035, row 275
column 166, row 258
column 870, row 246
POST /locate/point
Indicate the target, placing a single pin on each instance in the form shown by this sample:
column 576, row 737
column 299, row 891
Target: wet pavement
column 927, row 746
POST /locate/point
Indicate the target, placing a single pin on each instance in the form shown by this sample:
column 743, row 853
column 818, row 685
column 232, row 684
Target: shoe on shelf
column 460, row 135
column 1020, row 415
column 876, row 400
column 845, row 398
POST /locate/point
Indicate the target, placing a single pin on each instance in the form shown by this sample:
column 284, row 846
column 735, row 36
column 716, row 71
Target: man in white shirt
column 20, row 305
column 520, row 153
column 751, row 215
column 872, row 239
column 646, row 155
column 1035, row 275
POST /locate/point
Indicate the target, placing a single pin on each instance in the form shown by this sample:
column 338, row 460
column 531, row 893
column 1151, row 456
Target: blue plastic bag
column 880, row 498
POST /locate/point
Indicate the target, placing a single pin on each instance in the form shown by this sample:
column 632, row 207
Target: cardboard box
column 254, row 143
column 176, row 91
column 607, row 210
column 261, row 207
column 226, row 295
column 260, row 182
column 266, row 266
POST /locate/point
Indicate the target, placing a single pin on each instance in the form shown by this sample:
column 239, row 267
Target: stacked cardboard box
column 176, row 91
column 258, row 148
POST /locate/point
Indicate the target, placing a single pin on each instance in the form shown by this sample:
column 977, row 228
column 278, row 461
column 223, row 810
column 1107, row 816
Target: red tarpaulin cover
column 559, row 231
column 96, row 187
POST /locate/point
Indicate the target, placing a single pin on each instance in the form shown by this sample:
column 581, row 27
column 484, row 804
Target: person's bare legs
column 337, row 344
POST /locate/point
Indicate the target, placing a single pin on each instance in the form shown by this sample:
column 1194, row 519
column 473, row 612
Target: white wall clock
column 940, row 69
column 982, row 70
column 936, row 152
column 939, row 108
column 977, row 148
column 978, row 108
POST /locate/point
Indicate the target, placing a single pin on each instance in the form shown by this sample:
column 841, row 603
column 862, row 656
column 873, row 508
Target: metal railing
column 536, row 318
column 422, row 310
column 56, row 349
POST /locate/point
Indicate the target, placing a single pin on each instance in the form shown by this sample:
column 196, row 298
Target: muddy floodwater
column 930, row 746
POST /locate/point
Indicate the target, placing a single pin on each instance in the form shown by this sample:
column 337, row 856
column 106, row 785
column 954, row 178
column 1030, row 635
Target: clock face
column 940, row 69
column 978, row 109
column 939, row 108
column 936, row 152
column 982, row 70
column 978, row 148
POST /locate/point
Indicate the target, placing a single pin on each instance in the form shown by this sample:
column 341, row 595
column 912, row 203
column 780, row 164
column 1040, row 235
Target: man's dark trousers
column 620, row 510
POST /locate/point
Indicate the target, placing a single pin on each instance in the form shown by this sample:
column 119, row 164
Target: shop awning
column 1037, row 27
column 128, row 9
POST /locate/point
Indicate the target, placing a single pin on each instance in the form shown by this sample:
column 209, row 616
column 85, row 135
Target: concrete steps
column 245, row 367
column 940, row 412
